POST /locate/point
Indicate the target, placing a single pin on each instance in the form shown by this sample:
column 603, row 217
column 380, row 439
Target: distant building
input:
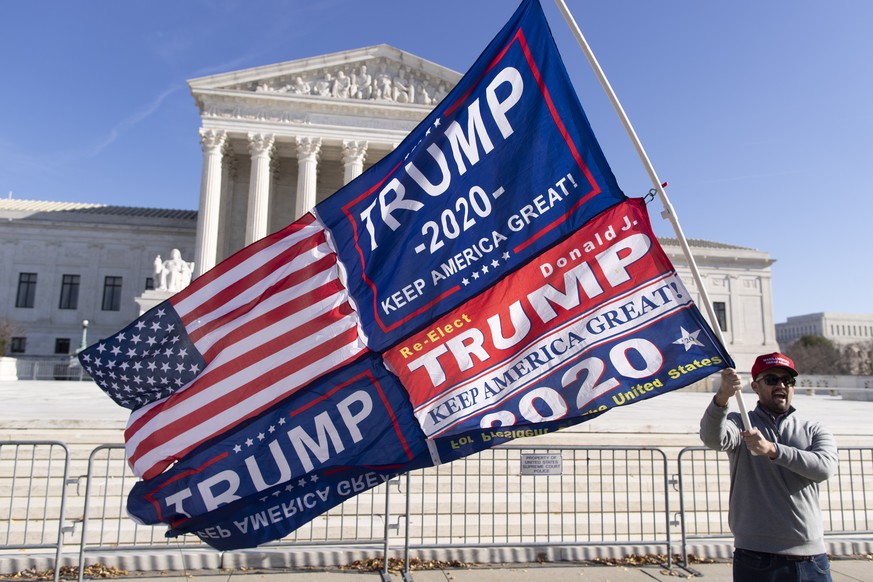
column 840, row 328
column 276, row 140
column 64, row 263
column 739, row 283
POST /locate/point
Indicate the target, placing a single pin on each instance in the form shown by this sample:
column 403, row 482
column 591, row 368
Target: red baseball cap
column 774, row 360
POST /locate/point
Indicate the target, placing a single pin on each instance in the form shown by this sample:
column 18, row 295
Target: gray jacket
column 774, row 505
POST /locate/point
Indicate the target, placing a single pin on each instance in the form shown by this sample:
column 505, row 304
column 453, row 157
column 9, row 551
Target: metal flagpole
column 641, row 152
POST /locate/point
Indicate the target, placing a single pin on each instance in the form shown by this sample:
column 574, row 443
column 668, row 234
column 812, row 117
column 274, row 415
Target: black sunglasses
column 774, row 380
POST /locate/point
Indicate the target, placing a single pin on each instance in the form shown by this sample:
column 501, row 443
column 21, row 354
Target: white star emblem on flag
column 688, row 339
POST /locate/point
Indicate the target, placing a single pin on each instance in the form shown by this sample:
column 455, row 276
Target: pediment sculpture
column 377, row 80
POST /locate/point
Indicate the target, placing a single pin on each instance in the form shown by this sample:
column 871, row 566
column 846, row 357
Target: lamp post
column 82, row 346
column 84, row 343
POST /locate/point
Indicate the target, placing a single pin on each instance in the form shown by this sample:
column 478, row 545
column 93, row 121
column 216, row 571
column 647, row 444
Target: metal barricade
column 588, row 496
column 106, row 526
column 704, row 486
column 50, row 368
column 362, row 521
column 704, row 489
column 585, row 496
column 847, row 497
column 33, row 477
column 357, row 521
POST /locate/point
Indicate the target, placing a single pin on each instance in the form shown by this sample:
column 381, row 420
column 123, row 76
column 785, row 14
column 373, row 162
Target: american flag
column 257, row 327
column 146, row 361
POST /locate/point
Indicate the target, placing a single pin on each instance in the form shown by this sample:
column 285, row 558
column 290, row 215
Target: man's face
column 774, row 395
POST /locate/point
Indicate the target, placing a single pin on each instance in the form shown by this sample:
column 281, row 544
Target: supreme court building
column 276, row 140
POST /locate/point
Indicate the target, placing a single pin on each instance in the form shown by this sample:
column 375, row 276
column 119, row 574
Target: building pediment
column 380, row 75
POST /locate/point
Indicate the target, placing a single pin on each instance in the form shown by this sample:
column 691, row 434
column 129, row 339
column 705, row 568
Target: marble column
column 766, row 302
column 354, row 153
column 258, row 214
column 308, row 150
column 227, row 242
column 212, row 142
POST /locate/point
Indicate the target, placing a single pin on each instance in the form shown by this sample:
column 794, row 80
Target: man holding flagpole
column 776, row 468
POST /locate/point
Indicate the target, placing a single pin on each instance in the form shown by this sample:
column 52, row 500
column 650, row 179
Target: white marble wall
column 101, row 246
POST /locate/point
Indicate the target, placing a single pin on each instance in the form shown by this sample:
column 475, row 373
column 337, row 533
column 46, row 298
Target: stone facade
column 280, row 138
column 60, row 259
column 276, row 140
column 51, row 240
column 738, row 281
column 840, row 328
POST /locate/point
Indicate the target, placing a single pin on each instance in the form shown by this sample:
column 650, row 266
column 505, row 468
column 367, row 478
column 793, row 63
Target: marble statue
column 174, row 274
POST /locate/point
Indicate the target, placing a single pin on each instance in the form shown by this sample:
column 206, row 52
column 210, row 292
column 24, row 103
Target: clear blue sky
column 758, row 114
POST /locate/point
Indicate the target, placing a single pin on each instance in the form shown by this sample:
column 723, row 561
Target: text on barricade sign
column 541, row 463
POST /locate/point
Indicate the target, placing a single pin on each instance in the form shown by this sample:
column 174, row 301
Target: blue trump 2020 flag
column 504, row 166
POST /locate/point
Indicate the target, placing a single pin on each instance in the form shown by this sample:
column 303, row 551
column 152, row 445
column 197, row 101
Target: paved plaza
column 673, row 418
column 78, row 413
column 858, row 570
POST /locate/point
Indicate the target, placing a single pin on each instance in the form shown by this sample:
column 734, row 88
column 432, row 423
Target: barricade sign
column 541, row 463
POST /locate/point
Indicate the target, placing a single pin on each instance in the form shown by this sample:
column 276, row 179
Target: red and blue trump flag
column 486, row 280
